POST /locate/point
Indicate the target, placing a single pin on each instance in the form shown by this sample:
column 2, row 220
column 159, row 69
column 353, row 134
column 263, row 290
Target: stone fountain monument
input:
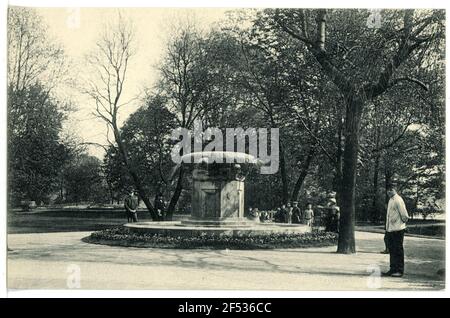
column 218, row 189
column 217, row 200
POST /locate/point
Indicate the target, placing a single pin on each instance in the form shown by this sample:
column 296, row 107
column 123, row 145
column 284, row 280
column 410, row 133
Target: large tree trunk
column 110, row 192
column 346, row 241
column 176, row 195
column 337, row 179
column 354, row 103
column 303, row 174
column 337, row 183
column 134, row 176
column 284, row 179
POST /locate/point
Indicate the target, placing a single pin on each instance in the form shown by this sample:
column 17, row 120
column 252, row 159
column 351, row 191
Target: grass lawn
column 67, row 221
column 432, row 227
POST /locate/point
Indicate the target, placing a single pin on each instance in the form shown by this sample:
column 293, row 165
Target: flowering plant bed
column 120, row 236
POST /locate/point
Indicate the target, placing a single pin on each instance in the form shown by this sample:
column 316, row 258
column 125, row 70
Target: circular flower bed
column 121, row 236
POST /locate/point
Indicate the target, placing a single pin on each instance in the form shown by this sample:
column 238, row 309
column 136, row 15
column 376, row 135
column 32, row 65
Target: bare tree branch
column 409, row 79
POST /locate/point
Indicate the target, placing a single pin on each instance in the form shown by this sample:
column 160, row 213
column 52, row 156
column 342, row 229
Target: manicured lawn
column 432, row 228
column 429, row 230
column 67, row 221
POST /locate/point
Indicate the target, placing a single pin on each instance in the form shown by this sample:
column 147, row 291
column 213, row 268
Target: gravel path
column 54, row 260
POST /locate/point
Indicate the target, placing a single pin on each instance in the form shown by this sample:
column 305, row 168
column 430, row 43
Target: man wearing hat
column 296, row 213
column 333, row 216
column 131, row 204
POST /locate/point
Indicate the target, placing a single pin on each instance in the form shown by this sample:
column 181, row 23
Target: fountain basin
column 246, row 228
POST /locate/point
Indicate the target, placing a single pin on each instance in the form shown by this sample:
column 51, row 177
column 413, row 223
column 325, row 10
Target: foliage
column 33, row 56
column 124, row 237
column 36, row 65
column 35, row 152
column 83, row 180
column 147, row 136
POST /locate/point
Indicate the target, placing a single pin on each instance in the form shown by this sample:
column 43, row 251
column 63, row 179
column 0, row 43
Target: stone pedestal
column 217, row 197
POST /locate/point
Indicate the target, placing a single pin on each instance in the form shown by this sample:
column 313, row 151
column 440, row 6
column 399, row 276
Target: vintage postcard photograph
column 230, row 149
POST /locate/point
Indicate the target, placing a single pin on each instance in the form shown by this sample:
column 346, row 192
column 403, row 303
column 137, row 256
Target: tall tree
column 32, row 55
column 349, row 63
column 184, row 83
column 109, row 63
column 147, row 133
column 36, row 64
column 35, row 152
column 287, row 92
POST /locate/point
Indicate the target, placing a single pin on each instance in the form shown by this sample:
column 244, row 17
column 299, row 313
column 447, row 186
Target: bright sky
column 78, row 30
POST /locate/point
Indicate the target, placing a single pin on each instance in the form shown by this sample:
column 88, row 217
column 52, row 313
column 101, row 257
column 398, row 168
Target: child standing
column 309, row 215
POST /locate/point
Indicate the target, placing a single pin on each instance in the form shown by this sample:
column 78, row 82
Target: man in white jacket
column 396, row 218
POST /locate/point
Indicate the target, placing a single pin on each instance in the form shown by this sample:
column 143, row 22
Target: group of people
column 287, row 213
column 131, row 204
column 292, row 214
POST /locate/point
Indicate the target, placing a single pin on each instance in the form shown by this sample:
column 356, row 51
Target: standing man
column 284, row 213
column 131, row 204
column 332, row 217
column 296, row 213
column 396, row 218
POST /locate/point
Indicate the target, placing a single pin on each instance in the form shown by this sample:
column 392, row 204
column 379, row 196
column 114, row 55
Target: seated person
column 253, row 215
column 279, row 216
column 264, row 216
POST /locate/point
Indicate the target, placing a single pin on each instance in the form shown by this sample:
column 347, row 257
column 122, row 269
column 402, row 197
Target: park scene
column 226, row 149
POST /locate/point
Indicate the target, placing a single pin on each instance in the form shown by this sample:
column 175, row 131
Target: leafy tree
column 36, row 64
column 116, row 175
column 147, row 133
column 84, row 180
column 33, row 57
column 361, row 72
column 196, row 83
column 35, row 152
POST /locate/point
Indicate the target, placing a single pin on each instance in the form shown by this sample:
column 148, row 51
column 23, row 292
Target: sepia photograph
column 225, row 149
